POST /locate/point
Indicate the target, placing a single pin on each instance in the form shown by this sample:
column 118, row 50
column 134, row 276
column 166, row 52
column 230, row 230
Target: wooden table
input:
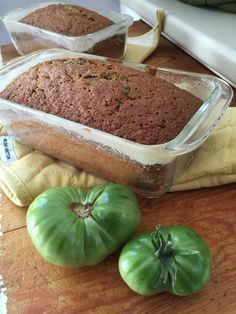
column 35, row 286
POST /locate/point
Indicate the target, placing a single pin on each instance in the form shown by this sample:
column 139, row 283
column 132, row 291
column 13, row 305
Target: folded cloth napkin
column 215, row 161
column 25, row 173
column 140, row 47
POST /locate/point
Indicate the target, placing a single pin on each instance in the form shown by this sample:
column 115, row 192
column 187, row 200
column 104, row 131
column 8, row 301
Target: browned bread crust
column 70, row 20
column 108, row 96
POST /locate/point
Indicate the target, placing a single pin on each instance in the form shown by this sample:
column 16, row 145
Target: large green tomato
column 74, row 227
column 174, row 259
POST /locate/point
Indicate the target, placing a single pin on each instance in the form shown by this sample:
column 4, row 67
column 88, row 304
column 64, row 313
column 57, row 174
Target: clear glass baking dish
column 109, row 42
column 149, row 169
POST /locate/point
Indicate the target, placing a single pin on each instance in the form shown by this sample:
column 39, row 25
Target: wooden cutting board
column 35, row 286
column 32, row 285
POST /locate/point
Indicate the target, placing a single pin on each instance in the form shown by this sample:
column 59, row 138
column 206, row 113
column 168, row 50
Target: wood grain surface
column 35, row 286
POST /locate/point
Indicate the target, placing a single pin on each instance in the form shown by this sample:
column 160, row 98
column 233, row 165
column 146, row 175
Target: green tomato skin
column 142, row 270
column 65, row 239
column 139, row 267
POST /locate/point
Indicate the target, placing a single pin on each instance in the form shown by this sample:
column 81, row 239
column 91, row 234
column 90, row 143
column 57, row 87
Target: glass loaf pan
column 149, row 169
column 109, row 42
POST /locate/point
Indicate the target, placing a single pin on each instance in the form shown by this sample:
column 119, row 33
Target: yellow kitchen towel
column 33, row 172
column 215, row 161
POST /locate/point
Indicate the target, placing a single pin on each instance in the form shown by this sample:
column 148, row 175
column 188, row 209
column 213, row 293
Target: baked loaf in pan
column 106, row 95
column 70, row 20
column 73, row 26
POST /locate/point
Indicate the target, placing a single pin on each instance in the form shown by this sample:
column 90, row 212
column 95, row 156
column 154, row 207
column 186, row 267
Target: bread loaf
column 108, row 96
column 70, row 20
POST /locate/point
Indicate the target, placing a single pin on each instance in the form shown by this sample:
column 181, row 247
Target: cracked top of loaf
column 70, row 20
column 108, row 96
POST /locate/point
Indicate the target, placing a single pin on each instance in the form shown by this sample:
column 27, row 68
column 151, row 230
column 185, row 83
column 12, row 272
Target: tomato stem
column 81, row 210
column 164, row 248
column 165, row 253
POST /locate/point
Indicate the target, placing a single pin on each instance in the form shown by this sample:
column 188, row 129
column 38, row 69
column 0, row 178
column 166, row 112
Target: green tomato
column 174, row 259
column 74, row 227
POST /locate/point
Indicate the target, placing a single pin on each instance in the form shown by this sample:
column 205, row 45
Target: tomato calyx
column 164, row 248
column 84, row 208
column 164, row 252
column 81, row 210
